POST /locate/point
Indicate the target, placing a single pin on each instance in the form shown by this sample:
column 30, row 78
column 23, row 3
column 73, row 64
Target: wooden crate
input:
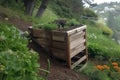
column 69, row 46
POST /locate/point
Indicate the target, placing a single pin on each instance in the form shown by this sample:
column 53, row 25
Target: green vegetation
column 49, row 26
column 106, row 71
column 100, row 46
column 16, row 61
column 48, row 18
column 73, row 22
column 95, row 74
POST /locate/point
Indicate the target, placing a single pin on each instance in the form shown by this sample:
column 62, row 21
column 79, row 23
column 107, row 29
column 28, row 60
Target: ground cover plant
column 17, row 62
column 100, row 46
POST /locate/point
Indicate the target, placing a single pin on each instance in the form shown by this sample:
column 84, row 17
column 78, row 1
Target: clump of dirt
column 58, row 71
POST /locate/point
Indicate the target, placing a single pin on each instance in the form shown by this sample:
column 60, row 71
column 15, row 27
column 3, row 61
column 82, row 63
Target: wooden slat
column 40, row 33
column 77, row 42
column 79, row 61
column 58, row 36
column 58, row 33
column 45, row 47
column 68, row 60
column 76, row 50
column 43, row 41
column 59, row 44
column 73, row 31
column 77, row 35
column 59, row 53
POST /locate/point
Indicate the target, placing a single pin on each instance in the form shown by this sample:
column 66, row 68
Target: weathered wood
column 77, row 35
column 73, row 31
column 64, row 45
column 59, row 44
column 58, row 36
column 86, row 51
column 39, row 33
column 68, row 50
column 78, row 62
column 61, row 54
column 43, row 42
column 76, row 42
column 76, row 50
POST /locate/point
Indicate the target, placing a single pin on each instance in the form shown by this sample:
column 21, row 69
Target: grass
column 102, row 46
column 48, row 15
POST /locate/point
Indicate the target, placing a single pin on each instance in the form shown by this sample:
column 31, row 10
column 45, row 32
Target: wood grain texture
column 76, row 50
column 59, row 53
column 59, row 44
column 73, row 31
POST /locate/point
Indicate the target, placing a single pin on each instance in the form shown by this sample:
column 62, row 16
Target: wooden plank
column 58, row 33
column 45, row 47
column 59, row 44
column 77, row 42
column 43, row 41
column 58, row 36
column 68, row 60
column 40, row 33
column 73, row 31
column 59, row 53
column 86, row 51
column 79, row 61
column 76, row 50
column 77, row 35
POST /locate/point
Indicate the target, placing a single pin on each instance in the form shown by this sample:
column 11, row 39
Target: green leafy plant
column 100, row 46
column 72, row 22
column 17, row 62
column 49, row 26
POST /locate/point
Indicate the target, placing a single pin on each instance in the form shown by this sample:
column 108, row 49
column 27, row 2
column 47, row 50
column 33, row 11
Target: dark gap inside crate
column 77, row 57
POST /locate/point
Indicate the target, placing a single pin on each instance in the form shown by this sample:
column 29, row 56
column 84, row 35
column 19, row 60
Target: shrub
column 16, row 61
column 105, row 29
column 100, row 46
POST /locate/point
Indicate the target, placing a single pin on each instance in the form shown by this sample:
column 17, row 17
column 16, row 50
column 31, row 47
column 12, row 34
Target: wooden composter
column 69, row 46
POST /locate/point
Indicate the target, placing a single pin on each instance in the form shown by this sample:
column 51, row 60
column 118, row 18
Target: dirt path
column 58, row 70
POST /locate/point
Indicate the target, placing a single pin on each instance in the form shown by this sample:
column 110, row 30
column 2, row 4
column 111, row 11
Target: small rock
column 6, row 19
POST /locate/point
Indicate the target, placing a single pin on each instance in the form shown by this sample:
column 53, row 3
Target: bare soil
column 58, row 70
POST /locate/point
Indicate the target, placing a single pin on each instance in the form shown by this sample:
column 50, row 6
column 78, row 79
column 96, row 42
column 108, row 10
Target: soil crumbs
column 58, row 71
